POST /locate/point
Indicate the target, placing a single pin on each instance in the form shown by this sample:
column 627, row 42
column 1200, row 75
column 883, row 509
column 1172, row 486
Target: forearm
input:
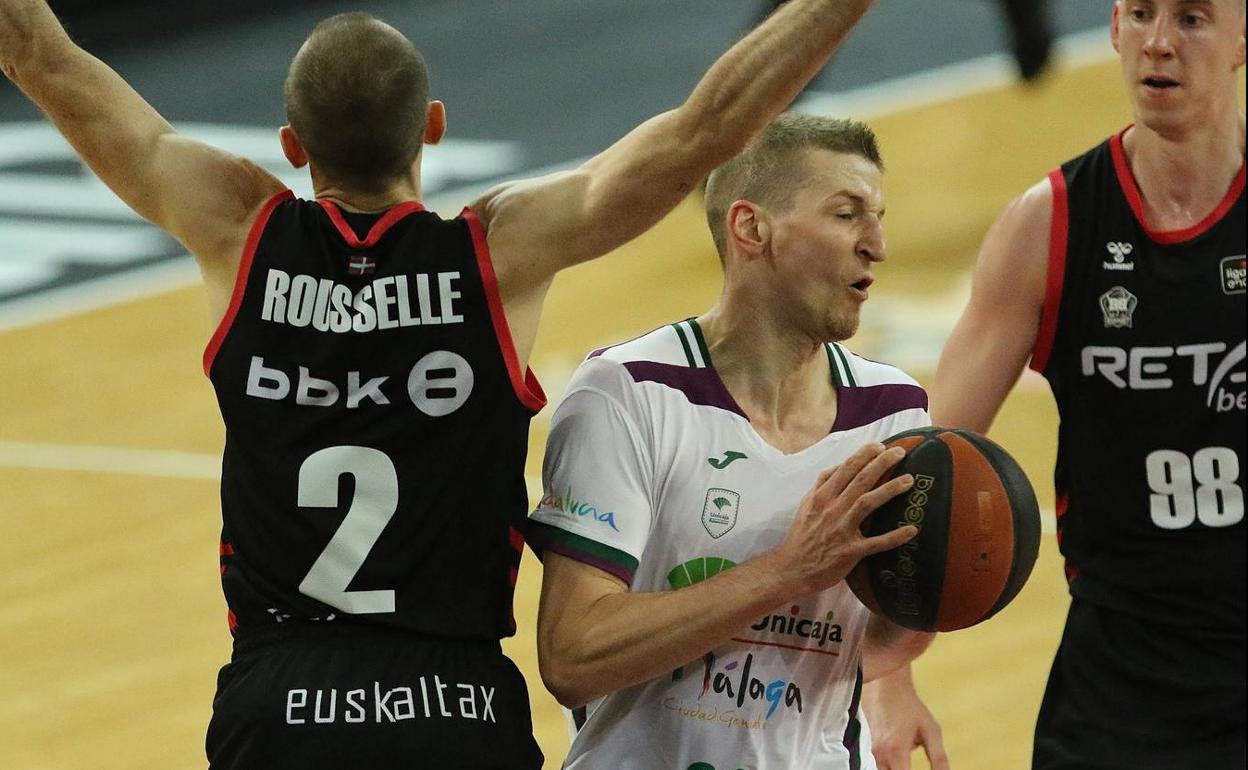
column 888, row 647
column 762, row 74
column 626, row 638
column 29, row 35
column 109, row 125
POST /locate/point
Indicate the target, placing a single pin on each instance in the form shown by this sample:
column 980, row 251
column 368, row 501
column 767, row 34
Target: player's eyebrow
column 857, row 200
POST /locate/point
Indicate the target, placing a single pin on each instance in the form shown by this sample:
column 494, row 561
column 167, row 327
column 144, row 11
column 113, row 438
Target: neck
column 778, row 375
column 351, row 199
column 1183, row 174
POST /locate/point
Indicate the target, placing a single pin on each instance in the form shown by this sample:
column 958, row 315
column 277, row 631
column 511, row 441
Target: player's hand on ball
column 825, row 541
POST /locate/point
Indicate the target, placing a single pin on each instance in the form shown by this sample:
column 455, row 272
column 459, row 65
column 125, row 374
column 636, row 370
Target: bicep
column 199, row 194
column 997, row 331
column 544, row 225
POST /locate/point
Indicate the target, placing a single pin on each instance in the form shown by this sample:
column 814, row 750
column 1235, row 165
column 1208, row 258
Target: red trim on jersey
column 232, row 621
column 1129, row 188
column 526, row 386
column 1059, row 230
column 379, row 227
column 240, row 281
column 517, row 539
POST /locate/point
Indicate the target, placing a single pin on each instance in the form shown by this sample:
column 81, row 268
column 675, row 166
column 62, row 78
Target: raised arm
column 537, row 227
column 200, row 195
column 994, row 338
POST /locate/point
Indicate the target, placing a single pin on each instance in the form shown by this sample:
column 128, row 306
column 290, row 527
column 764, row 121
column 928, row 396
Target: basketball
column 979, row 533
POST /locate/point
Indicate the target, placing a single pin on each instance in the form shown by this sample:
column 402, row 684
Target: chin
column 841, row 329
column 1163, row 121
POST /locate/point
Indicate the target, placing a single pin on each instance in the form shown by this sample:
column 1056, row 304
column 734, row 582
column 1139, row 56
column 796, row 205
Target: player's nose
column 871, row 245
column 1159, row 40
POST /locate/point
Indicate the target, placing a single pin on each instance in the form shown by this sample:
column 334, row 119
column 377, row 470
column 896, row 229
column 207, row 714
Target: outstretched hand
column 901, row 723
column 825, row 541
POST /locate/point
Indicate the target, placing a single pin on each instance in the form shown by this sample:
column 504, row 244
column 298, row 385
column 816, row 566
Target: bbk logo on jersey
column 1118, row 253
column 1209, row 366
column 1118, row 306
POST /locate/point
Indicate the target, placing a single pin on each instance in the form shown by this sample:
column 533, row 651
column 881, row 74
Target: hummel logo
column 1119, row 251
column 729, row 457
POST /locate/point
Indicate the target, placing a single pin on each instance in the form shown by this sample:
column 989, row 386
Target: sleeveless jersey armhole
column 1059, row 231
column 240, row 281
column 528, row 390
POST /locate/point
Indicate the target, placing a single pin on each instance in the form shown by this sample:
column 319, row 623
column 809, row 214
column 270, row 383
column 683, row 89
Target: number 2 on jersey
column 1204, row 487
column 372, row 506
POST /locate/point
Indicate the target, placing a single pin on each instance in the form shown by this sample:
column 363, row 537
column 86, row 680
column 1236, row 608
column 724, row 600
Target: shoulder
column 874, row 393
column 856, row 371
column 1013, row 260
column 1032, row 211
column 666, row 370
column 618, row 370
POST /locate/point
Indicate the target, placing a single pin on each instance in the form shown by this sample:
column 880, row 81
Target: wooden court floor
column 112, row 624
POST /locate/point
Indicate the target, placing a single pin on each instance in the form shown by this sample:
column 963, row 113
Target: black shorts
column 353, row 698
column 1128, row 694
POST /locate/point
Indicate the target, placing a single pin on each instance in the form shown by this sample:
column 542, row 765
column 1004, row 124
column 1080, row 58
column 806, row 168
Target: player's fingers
column 829, row 488
column 934, row 747
column 872, row 500
column 891, row 757
column 871, row 473
column 889, row 540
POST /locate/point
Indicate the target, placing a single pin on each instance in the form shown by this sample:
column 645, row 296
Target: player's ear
column 292, row 148
column 1113, row 24
column 1239, row 53
column 435, row 122
column 748, row 229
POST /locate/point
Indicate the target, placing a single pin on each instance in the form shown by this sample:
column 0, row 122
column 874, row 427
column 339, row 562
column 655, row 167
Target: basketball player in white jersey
column 704, row 486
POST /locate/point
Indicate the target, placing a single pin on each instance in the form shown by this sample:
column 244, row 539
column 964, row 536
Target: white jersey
column 654, row 474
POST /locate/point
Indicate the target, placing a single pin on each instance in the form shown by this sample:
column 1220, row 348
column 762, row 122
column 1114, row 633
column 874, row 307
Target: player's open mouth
column 1160, row 82
column 862, row 285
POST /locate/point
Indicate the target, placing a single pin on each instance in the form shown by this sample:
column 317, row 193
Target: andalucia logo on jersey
column 719, row 512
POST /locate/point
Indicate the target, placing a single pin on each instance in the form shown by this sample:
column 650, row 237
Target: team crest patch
column 719, row 513
column 1233, row 277
column 1118, row 305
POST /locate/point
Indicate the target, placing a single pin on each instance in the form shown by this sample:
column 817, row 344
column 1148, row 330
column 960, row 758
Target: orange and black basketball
column 979, row 532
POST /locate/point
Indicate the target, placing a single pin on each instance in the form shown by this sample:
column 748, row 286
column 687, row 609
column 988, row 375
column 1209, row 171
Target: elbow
column 712, row 134
column 563, row 682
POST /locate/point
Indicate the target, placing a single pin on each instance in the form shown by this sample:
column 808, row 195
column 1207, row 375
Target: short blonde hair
column 772, row 167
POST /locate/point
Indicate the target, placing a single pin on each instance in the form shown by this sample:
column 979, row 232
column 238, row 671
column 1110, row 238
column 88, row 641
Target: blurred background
column 112, row 625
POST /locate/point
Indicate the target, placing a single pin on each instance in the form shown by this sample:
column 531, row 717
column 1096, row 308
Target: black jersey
column 376, row 425
column 1142, row 342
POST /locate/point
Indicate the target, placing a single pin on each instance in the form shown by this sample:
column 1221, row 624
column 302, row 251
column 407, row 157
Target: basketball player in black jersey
column 1121, row 277
column 370, row 364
